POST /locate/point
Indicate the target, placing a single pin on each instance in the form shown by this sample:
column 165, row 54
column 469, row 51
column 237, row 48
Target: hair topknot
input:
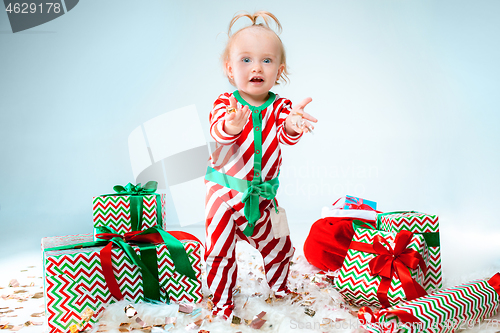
column 266, row 18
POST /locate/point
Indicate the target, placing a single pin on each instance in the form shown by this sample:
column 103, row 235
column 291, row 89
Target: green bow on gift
column 149, row 188
column 136, row 193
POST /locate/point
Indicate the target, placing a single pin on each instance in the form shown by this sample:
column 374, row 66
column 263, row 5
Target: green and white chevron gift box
column 461, row 307
column 428, row 226
column 75, row 281
column 379, row 252
column 132, row 208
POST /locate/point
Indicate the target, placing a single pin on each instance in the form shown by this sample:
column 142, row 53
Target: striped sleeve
column 217, row 121
column 284, row 110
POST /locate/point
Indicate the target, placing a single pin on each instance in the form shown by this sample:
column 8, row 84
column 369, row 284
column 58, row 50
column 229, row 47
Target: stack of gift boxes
column 395, row 265
column 129, row 256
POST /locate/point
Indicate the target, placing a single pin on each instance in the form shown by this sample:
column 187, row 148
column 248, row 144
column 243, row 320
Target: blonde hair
column 266, row 17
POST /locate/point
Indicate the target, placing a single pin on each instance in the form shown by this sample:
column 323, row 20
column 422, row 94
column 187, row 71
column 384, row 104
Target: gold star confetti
column 310, row 312
column 210, row 305
column 236, row 320
column 40, row 314
column 38, row 295
column 307, row 303
column 74, row 328
column 20, row 291
column 87, row 315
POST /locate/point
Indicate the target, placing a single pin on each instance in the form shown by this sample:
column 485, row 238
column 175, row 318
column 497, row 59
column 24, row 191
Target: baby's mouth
column 256, row 79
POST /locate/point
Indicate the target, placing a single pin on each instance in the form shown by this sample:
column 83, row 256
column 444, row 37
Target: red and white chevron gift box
column 74, row 280
column 428, row 226
column 114, row 212
column 356, row 282
column 445, row 311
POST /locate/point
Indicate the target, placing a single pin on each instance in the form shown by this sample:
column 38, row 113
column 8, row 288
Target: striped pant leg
column 220, row 254
column 276, row 253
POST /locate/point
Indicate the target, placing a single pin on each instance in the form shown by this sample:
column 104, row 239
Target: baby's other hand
column 236, row 117
column 297, row 121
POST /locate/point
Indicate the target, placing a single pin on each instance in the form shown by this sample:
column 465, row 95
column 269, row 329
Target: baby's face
column 255, row 63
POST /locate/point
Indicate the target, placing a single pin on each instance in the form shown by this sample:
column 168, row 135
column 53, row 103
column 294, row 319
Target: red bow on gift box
column 389, row 262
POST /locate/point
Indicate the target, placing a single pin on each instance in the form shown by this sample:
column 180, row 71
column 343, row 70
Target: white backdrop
column 406, row 93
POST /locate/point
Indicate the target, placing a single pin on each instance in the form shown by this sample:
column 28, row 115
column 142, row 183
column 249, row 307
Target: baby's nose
column 257, row 67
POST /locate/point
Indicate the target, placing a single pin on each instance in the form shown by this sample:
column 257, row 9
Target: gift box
column 428, row 226
column 350, row 202
column 444, row 311
column 82, row 280
column 349, row 206
column 131, row 208
column 383, row 268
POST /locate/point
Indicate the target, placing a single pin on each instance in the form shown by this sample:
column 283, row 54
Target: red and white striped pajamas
column 225, row 220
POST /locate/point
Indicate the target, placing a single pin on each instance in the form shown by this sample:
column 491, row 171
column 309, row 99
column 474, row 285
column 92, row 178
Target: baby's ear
column 228, row 69
column 280, row 71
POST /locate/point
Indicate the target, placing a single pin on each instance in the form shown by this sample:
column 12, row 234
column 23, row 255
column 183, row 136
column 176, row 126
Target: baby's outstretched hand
column 296, row 122
column 235, row 118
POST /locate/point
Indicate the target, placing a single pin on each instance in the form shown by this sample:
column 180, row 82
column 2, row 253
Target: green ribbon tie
column 136, row 193
column 250, row 198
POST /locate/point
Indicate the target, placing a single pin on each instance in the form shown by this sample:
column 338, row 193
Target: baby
column 248, row 126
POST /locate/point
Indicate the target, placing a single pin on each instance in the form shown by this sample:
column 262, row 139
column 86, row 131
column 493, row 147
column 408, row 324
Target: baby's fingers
column 230, row 116
column 307, row 126
column 242, row 113
column 232, row 102
column 309, row 117
column 303, row 103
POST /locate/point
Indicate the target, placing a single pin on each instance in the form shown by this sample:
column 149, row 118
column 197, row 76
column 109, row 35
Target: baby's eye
column 267, row 61
column 245, row 59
